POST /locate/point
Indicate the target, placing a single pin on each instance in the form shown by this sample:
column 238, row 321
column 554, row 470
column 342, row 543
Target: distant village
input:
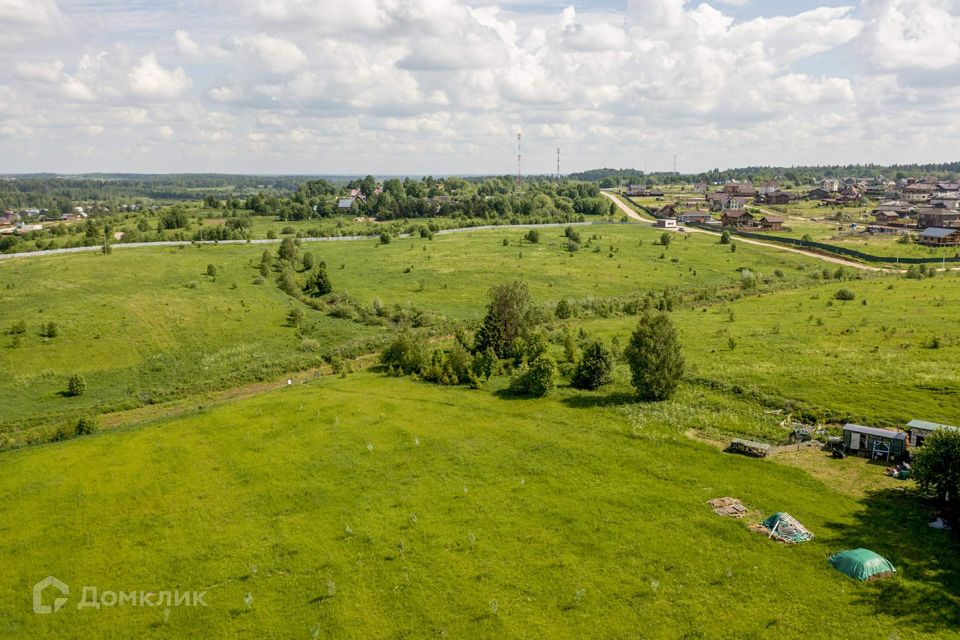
column 929, row 207
column 27, row 220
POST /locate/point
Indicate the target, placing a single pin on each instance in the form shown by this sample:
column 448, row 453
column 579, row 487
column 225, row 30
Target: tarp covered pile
column 862, row 564
column 786, row 528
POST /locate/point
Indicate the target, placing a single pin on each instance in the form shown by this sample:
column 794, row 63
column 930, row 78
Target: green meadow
column 369, row 507
column 376, row 506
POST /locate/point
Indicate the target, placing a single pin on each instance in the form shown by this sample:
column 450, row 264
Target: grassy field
column 144, row 325
column 369, row 507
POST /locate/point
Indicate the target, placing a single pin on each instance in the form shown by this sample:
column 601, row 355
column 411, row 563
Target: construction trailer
column 874, row 443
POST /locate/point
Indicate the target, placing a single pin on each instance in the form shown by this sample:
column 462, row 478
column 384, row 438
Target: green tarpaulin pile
column 862, row 564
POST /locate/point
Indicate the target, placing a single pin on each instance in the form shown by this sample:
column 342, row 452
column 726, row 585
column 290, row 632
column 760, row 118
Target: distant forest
column 796, row 175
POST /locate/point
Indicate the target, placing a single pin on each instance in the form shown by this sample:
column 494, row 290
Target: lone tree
column 936, row 468
column 510, row 315
column 655, row 358
column 287, row 250
column 76, row 385
column 536, row 379
column 595, row 368
column 318, row 282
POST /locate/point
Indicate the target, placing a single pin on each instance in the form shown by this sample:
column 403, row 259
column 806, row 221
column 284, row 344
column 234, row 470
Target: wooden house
column 920, row 429
column 874, row 443
column 936, row 237
column 771, row 223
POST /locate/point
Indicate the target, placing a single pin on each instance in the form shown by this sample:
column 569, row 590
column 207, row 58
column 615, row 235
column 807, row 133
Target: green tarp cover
column 784, row 526
column 861, row 564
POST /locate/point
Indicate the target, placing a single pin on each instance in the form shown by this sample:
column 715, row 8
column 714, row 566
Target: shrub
column 271, row 234
column 845, row 294
column 572, row 246
column 288, row 231
column 385, row 237
column 725, row 237
column 287, row 250
column 655, row 358
column 485, row 363
column 536, row 379
column 665, row 239
column 533, row 236
column 595, row 368
column 49, row 330
column 296, row 317
column 407, row 353
column 506, row 242
column 211, row 270
column 733, row 248
column 17, row 328
column 563, row 310
column 86, row 427
column 76, row 385
column 308, row 261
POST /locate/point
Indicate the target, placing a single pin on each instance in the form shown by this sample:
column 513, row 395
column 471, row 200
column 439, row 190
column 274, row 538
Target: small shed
column 920, row 429
column 874, row 443
column 666, row 223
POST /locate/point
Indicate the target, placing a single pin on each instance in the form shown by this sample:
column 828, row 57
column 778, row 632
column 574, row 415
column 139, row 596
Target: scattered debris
column 750, row 448
column 729, row 507
column 783, row 527
column 940, row 523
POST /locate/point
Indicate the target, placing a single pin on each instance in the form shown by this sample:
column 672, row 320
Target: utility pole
column 674, row 165
column 558, row 164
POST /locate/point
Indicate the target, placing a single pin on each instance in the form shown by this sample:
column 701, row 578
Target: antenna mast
column 519, row 159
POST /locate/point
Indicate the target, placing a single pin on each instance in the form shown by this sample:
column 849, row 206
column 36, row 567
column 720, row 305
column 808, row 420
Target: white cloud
column 50, row 72
column 278, row 55
column 150, row 80
column 190, row 48
column 913, row 33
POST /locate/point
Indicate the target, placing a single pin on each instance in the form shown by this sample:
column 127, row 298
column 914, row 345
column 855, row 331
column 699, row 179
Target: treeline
column 799, row 175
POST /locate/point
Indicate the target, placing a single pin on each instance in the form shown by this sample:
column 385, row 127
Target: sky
column 444, row 86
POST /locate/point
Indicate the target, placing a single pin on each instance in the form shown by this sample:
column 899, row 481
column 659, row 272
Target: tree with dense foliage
column 510, row 315
column 655, row 358
column 595, row 368
column 287, row 250
column 318, row 282
column 535, row 379
column 533, row 236
column 76, row 385
column 936, row 468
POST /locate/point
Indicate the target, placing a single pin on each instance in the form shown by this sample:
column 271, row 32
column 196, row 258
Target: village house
column 937, row 217
column 888, row 218
column 771, row 223
column 744, row 189
column 345, row 205
column 934, row 237
column 919, row 430
column 819, row 194
column 769, row 186
column 945, row 200
column 736, row 218
column 777, row 198
column 874, row 443
column 666, row 211
column 701, row 187
column 918, row 192
column 830, row 185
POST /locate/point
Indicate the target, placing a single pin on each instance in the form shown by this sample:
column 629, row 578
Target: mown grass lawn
column 383, row 507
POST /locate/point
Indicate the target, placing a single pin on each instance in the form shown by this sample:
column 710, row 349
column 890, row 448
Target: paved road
column 178, row 243
column 812, row 254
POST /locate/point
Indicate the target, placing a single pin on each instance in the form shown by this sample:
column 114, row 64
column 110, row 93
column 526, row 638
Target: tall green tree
column 318, row 282
column 655, row 357
column 936, row 468
column 595, row 368
column 510, row 315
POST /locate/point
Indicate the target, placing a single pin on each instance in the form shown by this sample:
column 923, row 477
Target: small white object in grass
column 413, row 518
column 315, row 633
column 370, row 447
column 289, row 382
column 248, row 599
column 464, row 490
column 331, row 588
column 654, row 584
column 253, row 569
column 472, row 538
column 166, row 615
column 416, row 442
column 336, row 421
column 579, row 595
column 522, row 482
column 348, row 531
column 493, row 607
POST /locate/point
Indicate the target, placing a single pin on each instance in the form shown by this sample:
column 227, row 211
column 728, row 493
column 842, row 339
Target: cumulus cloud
column 413, row 81
column 150, row 80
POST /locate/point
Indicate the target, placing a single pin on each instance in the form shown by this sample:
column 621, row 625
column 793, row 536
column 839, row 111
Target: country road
column 812, row 254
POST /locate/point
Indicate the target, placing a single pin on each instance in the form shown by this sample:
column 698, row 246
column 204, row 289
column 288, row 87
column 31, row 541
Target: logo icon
column 38, row 589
